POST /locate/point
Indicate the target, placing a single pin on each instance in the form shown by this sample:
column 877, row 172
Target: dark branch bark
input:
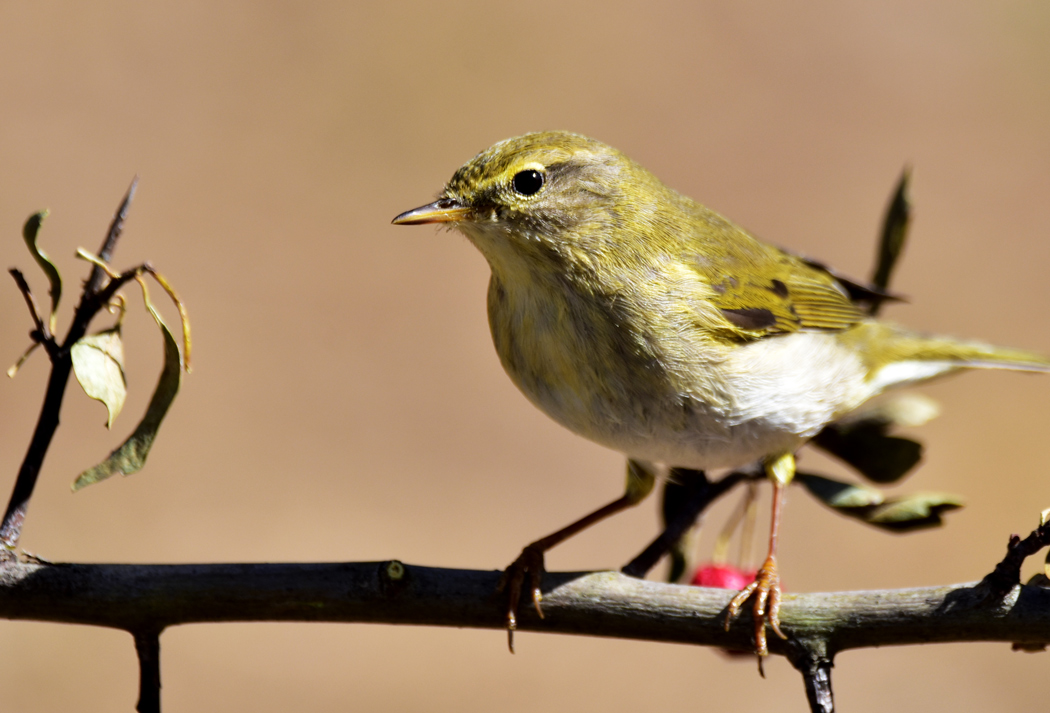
column 41, row 331
column 811, row 659
column 147, row 646
column 1008, row 572
column 152, row 597
column 116, row 227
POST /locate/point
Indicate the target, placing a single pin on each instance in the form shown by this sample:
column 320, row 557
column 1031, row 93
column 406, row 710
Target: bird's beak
column 443, row 210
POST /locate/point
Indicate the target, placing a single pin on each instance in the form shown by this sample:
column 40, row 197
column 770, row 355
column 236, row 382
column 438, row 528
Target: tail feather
column 898, row 357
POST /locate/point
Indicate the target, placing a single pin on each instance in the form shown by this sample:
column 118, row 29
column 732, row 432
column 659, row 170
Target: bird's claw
column 529, row 563
column 766, row 591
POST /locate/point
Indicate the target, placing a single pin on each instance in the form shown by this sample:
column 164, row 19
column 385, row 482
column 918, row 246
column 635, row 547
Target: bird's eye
column 528, row 182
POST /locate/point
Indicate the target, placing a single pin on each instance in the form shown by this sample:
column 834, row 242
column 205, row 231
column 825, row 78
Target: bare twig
column 1007, row 573
column 116, row 226
column 147, row 646
column 810, row 658
column 41, row 333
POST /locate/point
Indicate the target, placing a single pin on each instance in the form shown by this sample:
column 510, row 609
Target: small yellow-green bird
column 644, row 321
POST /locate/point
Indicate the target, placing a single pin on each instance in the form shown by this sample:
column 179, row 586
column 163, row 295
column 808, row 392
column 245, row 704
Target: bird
column 650, row 324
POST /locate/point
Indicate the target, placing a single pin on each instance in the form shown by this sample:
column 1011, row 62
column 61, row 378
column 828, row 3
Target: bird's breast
column 664, row 394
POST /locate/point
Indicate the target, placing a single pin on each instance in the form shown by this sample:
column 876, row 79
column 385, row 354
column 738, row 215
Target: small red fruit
column 723, row 576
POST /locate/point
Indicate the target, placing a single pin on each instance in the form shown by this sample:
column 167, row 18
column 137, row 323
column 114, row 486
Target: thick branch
column 151, row 597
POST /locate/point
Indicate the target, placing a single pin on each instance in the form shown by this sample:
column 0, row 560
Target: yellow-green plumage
column 644, row 321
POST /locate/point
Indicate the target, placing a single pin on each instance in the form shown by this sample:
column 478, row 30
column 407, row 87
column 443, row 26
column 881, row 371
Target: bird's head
column 548, row 195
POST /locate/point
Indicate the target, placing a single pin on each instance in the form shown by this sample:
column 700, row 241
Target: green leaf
column 98, row 362
column 839, row 495
column 862, row 438
column 873, row 453
column 909, row 512
column 131, row 455
column 913, row 512
column 894, row 234
column 29, row 233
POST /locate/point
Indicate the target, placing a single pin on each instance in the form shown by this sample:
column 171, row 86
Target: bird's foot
column 529, row 563
column 766, row 607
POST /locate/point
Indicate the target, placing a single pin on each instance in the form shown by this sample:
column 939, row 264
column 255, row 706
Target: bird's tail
column 897, row 357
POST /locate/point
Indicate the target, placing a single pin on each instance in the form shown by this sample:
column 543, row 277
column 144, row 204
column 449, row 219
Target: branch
column 41, row 332
column 1008, row 572
column 91, row 301
column 149, row 598
column 147, row 646
column 811, row 659
column 116, row 227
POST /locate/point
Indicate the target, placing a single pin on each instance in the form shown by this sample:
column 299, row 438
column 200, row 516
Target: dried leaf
column 894, row 234
column 21, row 360
column 131, row 455
column 29, row 233
column 913, row 512
column 862, row 439
column 909, row 512
column 98, row 362
column 839, row 495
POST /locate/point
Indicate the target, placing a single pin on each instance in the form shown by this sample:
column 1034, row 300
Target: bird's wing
column 765, row 291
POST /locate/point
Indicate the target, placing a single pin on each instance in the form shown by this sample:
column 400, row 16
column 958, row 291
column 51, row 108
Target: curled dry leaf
column 98, row 362
column 131, row 455
column 29, row 233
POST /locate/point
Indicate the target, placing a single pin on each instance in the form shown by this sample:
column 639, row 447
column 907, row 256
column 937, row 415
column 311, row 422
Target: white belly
column 765, row 398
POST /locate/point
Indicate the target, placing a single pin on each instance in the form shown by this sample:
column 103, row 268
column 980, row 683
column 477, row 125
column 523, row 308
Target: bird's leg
column 766, row 587
column 640, row 481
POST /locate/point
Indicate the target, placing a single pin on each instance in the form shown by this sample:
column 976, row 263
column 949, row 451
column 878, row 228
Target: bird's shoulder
column 759, row 290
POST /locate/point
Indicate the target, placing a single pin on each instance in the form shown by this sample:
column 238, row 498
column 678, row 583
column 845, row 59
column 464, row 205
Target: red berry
column 723, row 576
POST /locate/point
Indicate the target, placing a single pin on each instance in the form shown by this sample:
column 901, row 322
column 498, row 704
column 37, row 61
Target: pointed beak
column 443, row 210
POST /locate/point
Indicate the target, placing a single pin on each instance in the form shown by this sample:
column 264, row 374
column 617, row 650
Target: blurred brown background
column 346, row 402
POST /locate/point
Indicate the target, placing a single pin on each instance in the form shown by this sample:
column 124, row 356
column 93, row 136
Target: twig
column 1007, row 574
column 91, row 301
column 116, row 226
column 41, row 333
column 684, row 519
column 147, row 646
column 810, row 658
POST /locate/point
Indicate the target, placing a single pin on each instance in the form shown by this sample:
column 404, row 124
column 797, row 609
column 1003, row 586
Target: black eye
column 528, row 182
